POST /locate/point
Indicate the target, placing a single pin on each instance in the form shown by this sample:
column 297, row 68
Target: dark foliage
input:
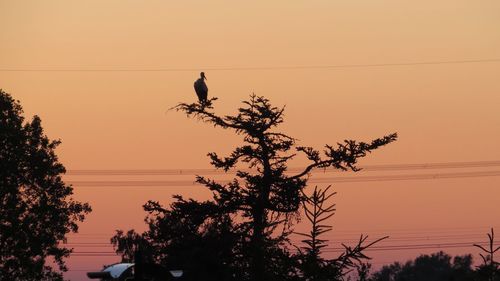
column 363, row 271
column 316, row 213
column 312, row 266
column 36, row 209
column 489, row 270
column 435, row 267
column 191, row 235
column 268, row 196
column 243, row 232
column 127, row 244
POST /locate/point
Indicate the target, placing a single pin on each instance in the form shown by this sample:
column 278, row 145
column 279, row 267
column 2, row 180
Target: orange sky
column 118, row 120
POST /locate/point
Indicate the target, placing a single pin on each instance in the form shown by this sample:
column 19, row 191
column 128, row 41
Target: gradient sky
column 119, row 120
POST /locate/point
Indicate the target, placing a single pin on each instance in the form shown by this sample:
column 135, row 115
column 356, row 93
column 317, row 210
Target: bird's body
column 201, row 88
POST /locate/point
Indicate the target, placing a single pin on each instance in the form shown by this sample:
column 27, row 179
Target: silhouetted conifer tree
column 312, row 265
column 242, row 234
column 489, row 270
column 265, row 195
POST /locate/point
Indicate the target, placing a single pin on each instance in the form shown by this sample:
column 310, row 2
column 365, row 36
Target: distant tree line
column 435, row 267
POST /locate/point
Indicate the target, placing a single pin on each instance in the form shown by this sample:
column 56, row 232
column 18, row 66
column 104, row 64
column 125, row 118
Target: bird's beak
column 205, row 77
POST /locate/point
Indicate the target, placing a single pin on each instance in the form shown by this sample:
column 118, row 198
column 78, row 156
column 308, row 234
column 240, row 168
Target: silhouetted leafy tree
column 36, row 208
column 363, row 270
column 435, row 267
column 127, row 244
column 251, row 216
column 194, row 236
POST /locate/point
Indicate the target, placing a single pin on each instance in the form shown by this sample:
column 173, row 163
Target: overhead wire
column 351, row 179
column 251, row 68
column 397, row 247
column 384, row 167
column 331, row 241
column 337, row 180
column 411, row 231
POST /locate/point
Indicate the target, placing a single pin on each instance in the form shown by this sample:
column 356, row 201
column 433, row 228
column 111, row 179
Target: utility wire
column 336, row 240
column 332, row 238
column 425, row 232
column 413, row 246
column 389, row 167
column 249, row 68
column 190, row 183
column 434, row 176
column 340, row 249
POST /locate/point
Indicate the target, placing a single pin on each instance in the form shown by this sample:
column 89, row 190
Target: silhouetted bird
column 201, row 88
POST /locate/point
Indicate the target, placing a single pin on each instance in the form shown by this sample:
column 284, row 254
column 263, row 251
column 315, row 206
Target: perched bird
column 201, row 88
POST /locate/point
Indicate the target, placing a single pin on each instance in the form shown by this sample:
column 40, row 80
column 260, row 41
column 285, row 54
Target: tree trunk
column 258, row 267
column 257, row 261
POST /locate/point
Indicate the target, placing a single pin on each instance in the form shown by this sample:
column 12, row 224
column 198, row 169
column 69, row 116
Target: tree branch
column 343, row 157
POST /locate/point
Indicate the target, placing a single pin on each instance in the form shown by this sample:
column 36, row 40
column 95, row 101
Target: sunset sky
column 103, row 74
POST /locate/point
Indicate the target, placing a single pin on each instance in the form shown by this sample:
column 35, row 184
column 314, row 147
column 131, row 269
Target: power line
column 336, row 240
column 421, row 230
column 386, row 167
column 451, row 233
column 414, row 246
column 249, row 68
column 380, row 248
column 408, row 177
column 401, row 231
column 328, row 180
column 332, row 240
column 77, row 241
